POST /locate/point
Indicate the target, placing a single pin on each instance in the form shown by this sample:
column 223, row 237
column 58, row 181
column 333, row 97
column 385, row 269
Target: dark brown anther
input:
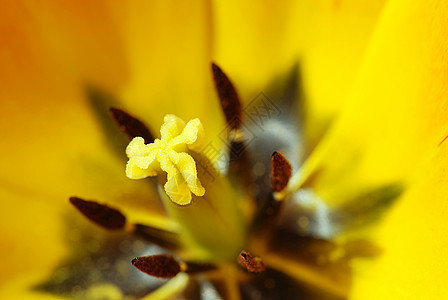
column 230, row 102
column 100, row 214
column 281, row 172
column 253, row 264
column 131, row 125
column 162, row 265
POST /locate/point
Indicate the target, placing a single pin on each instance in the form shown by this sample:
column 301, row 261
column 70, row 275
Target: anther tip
column 161, row 265
column 130, row 125
column 99, row 214
column 214, row 66
column 253, row 264
column 281, row 172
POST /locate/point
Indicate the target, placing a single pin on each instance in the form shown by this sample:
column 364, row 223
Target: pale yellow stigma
column 169, row 154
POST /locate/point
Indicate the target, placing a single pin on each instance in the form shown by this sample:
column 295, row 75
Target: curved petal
column 413, row 238
column 52, row 146
column 395, row 113
column 83, row 37
column 254, row 42
column 52, row 143
column 411, row 48
column 394, row 122
column 20, row 289
column 32, row 238
column 334, row 38
column 169, row 50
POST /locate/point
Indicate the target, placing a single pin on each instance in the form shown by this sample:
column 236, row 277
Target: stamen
column 281, row 172
column 169, row 154
column 162, row 265
column 113, row 219
column 230, row 102
column 253, row 264
column 131, row 125
column 239, row 165
column 100, row 214
column 166, row 239
column 239, row 162
column 193, row 267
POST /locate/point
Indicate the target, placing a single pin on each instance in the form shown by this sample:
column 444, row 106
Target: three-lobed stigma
column 169, row 154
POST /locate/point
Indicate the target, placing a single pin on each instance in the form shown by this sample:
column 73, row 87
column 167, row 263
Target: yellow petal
column 20, row 288
column 411, row 49
column 413, row 240
column 255, row 41
column 52, row 143
column 32, row 235
column 169, row 53
column 394, row 120
column 394, row 113
column 334, row 38
column 84, row 38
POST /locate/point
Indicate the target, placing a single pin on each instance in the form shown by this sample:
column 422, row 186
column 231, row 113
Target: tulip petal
column 20, row 289
column 334, row 36
column 255, row 42
column 413, row 235
column 166, row 43
column 53, row 144
column 393, row 130
column 84, row 37
column 413, row 238
column 395, row 112
column 32, row 240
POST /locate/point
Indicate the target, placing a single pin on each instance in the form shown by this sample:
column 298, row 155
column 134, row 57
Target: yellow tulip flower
column 301, row 152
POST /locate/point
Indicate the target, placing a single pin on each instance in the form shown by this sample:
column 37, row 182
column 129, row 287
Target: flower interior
column 246, row 227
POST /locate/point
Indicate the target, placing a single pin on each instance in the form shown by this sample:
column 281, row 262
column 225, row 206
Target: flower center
column 169, row 154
